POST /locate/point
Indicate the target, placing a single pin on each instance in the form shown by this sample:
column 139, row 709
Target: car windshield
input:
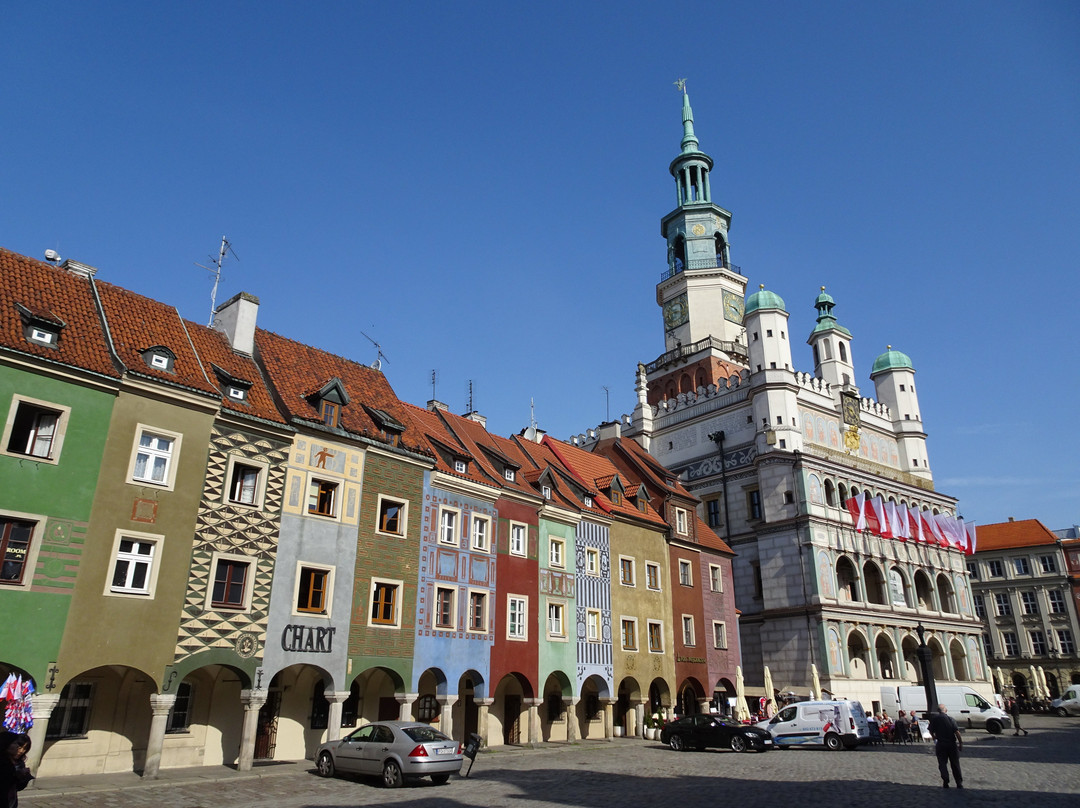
column 424, row 734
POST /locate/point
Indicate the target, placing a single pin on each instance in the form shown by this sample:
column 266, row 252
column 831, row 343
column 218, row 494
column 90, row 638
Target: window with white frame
column 445, row 608
column 460, row 466
column 1047, row 564
column 686, row 573
column 1021, row 565
column 478, row 621
column 1002, row 604
column 716, row 578
column 980, row 606
column 588, row 501
column 973, row 570
column 518, row 536
column 509, row 475
column 393, row 516
column 556, row 620
column 448, row 520
column 557, row 553
column 656, row 637
column 592, row 625
column 1029, row 602
column 626, row 571
column 517, row 612
column 681, row 523
column 988, row 646
column 1038, row 643
column 313, row 588
column 592, row 561
column 1010, row 644
column 71, row 716
column 688, row 630
column 719, row 631
column 134, row 564
column 231, row 588
column 481, row 533
column 385, row 603
column 994, row 568
column 652, row 575
column 247, row 480
column 1057, row 601
column 153, row 460
column 35, row 429
column 323, row 497
column 629, row 634
column 1065, row 641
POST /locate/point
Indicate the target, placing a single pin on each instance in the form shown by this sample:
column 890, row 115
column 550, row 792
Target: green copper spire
column 689, row 139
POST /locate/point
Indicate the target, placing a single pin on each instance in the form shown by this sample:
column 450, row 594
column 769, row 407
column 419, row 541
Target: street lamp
column 926, row 662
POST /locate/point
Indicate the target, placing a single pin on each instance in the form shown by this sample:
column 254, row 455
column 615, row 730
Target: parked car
column 1069, row 703
column 704, row 731
column 396, row 750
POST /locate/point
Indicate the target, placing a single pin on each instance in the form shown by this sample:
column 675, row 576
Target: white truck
column 832, row 724
column 963, row 703
column 1069, row 703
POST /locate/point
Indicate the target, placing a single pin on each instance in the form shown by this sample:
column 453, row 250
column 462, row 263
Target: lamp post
column 926, row 662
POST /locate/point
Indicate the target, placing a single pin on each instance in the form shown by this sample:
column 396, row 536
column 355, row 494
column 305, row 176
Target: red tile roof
column 213, row 348
column 1007, row 535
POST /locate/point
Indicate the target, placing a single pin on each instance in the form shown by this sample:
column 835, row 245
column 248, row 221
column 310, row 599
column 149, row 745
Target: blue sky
column 478, row 186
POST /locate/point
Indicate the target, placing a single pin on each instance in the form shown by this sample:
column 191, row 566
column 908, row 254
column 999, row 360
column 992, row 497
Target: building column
column 484, row 706
column 407, row 702
column 253, row 700
column 570, row 714
column 534, row 720
column 609, row 718
column 160, row 705
column 639, row 720
column 333, row 725
column 446, row 716
column 44, row 704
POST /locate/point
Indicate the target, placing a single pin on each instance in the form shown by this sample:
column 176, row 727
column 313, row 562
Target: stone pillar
column 609, row 718
column 639, row 720
column 252, row 700
column 333, row 723
column 407, row 701
column 484, row 706
column 703, row 704
column 446, row 716
column 534, row 720
column 44, row 704
column 570, row 712
column 160, row 705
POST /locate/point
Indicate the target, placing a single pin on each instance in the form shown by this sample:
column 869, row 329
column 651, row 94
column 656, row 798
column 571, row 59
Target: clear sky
column 478, row 187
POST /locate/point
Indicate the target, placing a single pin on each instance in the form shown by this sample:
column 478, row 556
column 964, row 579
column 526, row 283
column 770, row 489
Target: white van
column 1069, row 703
column 964, row 704
column 832, row 724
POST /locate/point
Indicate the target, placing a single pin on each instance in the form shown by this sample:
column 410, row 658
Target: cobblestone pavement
column 1041, row 769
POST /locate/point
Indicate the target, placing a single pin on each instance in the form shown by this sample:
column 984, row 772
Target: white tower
column 832, row 347
column 894, row 386
column 772, row 380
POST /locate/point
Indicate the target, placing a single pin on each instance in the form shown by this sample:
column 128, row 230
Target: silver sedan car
column 395, row 750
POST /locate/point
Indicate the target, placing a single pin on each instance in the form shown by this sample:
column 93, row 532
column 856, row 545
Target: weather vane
column 681, row 84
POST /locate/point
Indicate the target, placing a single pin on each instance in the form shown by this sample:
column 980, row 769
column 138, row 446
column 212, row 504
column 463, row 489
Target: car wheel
column 833, row 742
column 391, row 774
column 737, row 743
column 676, row 743
column 1061, row 711
column 993, row 727
column 325, row 765
column 440, row 779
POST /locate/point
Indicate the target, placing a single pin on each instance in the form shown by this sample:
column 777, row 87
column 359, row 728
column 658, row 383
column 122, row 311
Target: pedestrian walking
column 1014, row 711
column 947, row 745
column 13, row 772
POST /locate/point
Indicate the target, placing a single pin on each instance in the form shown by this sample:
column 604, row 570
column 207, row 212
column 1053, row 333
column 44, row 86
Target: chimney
column 1011, row 519
column 79, row 268
column 236, row 317
column 434, row 405
column 609, row 430
column 475, row 416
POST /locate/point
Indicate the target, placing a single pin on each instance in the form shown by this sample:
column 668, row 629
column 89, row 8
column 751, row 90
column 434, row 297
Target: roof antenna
column 379, row 355
column 469, row 403
column 226, row 247
column 434, row 378
column 607, row 402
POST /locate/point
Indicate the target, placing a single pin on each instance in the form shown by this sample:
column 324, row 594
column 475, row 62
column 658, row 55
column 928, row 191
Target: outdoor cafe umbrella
column 815, row 682
column 1001, row 679
column 1042, row 683
column 1036, row 689
column 742, row 713
column 769, row 696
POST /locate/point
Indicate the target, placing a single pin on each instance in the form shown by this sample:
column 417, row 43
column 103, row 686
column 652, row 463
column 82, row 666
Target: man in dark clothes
column 1014, row 711
column 947, row 744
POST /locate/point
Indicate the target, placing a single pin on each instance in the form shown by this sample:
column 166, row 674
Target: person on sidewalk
column 947, row 745
column 13, row 772
column 1014, row 711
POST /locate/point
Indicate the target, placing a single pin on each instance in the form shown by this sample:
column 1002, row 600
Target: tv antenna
column 225, row 248
column 434, row 379
column 379, row 355
column 469, row 402
column 607, row 402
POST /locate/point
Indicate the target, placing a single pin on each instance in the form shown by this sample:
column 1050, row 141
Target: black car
column 703, row 731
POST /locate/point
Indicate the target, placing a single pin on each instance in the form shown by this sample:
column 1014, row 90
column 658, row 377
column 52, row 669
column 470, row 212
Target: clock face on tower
column 675, row 312
column 734, row 307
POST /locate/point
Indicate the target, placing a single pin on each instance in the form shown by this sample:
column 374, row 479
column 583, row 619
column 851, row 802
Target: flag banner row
column 892, row 521
column 19, row 711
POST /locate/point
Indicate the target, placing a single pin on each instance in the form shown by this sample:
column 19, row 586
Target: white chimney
column 236, row 317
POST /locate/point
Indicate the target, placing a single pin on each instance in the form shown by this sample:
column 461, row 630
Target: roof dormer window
column 235, row 389
column 509, row 475
column 42, row 337
column 40, row 326
column 460, row 466
column 330, row 412
column 547, row 491
column 588, row 501
column 159, row 358
column 236, row 393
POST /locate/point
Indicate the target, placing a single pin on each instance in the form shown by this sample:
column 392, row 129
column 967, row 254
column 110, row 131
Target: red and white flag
column 969, row 531
column 898, row 518
column 857, row 508
column 881, row 514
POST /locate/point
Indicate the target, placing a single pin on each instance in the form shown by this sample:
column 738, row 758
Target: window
column 1038, row 643
column 313, row 589
column 1029, row 603
column 555, row 553
column 616, row 497
column 392, row 516
column 460, row 467
column 180, row 714
column 686, row 573
column 236, row 393
column 592, row 561
column 994, row 568
column 1065, row 641
column 329, row 413
column 1021, row 566
column 592, row 625
column 448, row 526
column 556, row 625
column 753, row 504
column 980, row 607
column 988, row 646
column 656, row 637
column 626, row 571
column 588, row 501
column 481, row 528
column 384, row 602
column 973, row 570
column 712, row 512
column 154, row 456
column 478, row 611
column 1010, row 644
column 681, row 524
column 508, row 474
column 1057, row 601
column 159, row 358
column 517, row 609
column 445, row 610
column 427, row 707
column 71, row 716
column 35, row 429
column 244, row 483
column 134, row 565
column 652, row 575
column 230, row 584
column 1047, row 564
column 688, row 630
column 716, row 578
column 629, row 634
column 1001, row 601
column 719, row 632
column 517, row 538
column 42, row 336
column 15, row 539
column 546, row 491
column 322, row 497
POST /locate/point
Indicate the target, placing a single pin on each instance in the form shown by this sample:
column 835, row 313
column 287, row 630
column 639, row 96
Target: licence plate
column 444, row 751
column 767, row 743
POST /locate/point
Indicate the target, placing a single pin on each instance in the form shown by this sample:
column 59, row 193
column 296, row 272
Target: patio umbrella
column 769, row 691
column 1042, row 683
column 1036, row 690
column 815, row 682
column 1001, row 679
column 742, row 713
